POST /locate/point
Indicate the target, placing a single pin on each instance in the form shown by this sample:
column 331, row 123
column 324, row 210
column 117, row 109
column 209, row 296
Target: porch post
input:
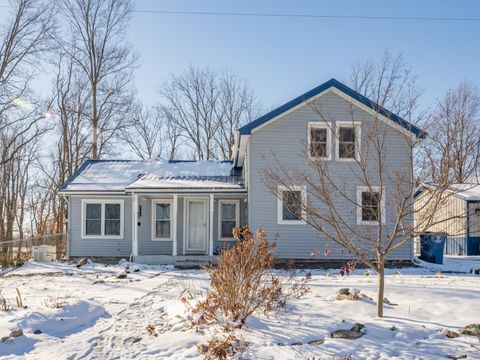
column 135, row 224
column 174, row 225
column 210, row 252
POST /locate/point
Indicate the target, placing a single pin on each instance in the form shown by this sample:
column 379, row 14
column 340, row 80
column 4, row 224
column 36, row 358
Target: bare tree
column 205, row 107
column 150, row 136
column 98, row 47
column 365, row 205
column 454, row 140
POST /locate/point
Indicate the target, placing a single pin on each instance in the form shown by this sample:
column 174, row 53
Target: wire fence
column 13, row 247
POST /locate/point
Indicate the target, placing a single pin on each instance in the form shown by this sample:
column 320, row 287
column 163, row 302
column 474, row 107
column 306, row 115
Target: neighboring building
column 164, row 211
column 458, row 217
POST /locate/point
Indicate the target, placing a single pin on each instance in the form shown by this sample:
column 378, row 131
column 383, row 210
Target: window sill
column 227, row 239
column 369, row 223
column 347, row 159
column 311, row 158
column 291, row 222
column 162, row 239
column 102, row 237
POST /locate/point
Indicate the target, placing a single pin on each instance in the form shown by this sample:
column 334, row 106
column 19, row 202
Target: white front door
column 197, row 225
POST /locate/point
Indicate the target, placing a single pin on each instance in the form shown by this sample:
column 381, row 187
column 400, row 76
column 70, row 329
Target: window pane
column 112, row 227
column 370, row 206
column 228, row 211
column 163, row 211
column 93, row 227
column 318, row 134
column 347, row 134
column 227, row 229
column 94, row 211
column 292, row 205
column 346, row 150
column 318, row 142
column 112, row 211
column 162, row 229
column 318, row 150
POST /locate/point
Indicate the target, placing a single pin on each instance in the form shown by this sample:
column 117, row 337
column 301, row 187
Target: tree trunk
column 380, row 286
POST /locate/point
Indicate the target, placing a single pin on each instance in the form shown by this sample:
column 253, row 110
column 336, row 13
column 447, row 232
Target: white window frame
column 280, row 191
column 154, row 219
column 237, row 218
column 102, row 202
column 358, row 139
column 320, row 125
column 360, row 190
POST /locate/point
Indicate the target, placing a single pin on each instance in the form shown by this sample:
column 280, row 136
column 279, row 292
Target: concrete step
column 191, row 264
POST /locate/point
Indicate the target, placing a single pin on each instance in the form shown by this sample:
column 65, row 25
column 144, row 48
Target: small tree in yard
column 243, row 283
column 365, row 204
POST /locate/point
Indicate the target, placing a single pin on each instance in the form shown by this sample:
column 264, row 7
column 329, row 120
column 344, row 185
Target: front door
column 196, row 226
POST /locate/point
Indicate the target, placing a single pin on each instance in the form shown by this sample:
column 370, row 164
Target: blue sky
column 283, row 57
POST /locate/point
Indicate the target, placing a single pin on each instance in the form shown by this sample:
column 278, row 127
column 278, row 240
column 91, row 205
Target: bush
column 13, row 260
column 222, row 348
column 244, row 282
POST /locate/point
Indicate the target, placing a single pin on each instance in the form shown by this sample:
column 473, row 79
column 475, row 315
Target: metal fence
column 25, row 245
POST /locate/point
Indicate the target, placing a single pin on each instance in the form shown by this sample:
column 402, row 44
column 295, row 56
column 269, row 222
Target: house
column 168, row 211
column 458, row 217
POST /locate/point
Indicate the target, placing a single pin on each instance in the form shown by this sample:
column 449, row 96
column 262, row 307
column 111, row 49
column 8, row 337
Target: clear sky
column 283, row 57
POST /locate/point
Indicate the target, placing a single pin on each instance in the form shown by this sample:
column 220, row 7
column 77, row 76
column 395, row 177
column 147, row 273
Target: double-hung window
column 371, row 205
column 102, row 219
column 291, row 204
column 319, row 140
column 229, row 218
column 162, row 220
column 348, row 140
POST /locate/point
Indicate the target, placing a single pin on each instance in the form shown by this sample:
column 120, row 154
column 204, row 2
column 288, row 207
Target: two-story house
column 167, row 211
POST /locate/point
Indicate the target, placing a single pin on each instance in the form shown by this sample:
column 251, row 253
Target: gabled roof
column 466, row 191
column 247, row 129
column 116, row 175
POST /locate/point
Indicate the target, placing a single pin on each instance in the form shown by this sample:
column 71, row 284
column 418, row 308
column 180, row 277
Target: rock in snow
column 472, row 330
column 452, row 334
column 82, row 262
column 346, row 334
column 16, row 333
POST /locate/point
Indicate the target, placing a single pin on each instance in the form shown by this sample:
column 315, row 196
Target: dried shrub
column 244, row 282
column 222, row 348
column 14, row 260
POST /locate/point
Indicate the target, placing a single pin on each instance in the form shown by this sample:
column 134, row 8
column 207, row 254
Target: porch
column 190, row 228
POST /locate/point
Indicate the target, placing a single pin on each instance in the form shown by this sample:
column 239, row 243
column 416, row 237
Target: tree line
column 91, row 110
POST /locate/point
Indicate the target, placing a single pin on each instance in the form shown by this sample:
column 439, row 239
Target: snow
column 115, row 175
column 467, row 191
column 102, row 317
column 152, row 181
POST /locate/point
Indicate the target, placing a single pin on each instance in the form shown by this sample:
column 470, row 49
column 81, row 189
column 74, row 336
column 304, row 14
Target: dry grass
column 12, row 260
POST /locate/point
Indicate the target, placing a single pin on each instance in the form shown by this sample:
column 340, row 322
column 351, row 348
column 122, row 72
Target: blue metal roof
column 247, row 129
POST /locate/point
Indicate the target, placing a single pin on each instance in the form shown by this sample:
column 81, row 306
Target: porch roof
column 154, row 182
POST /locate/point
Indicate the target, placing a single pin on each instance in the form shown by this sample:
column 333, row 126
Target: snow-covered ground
column 88, row 313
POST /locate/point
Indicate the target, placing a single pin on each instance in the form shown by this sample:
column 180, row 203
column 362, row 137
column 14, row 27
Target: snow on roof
column 186, row 182
column 116, row 175
column 466, row 191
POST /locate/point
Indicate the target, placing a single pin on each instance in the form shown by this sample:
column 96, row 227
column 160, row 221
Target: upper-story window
column 371, row 205
column 319, row 140
column 348, row 140
column 291, row 205
column 102, row 219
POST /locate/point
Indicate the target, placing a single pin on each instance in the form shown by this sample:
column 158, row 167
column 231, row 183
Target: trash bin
column 432, row 247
